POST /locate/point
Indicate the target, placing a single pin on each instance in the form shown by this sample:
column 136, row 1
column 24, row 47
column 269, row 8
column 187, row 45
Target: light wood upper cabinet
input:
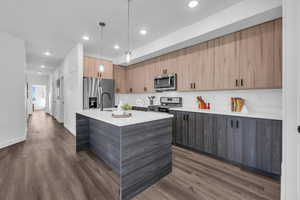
column 119, row 75
column 91, row 68
column 183, row 75
column 226, row 67
column 149, row 70
column 204, row 76
column 139, row 79
column 192, row 72
column 196, row 67
column 248, row 59
column 88, row 67
column 135, row 79
column 108, row 69
column 278, row 53
column 129, row 79
column 257, row 57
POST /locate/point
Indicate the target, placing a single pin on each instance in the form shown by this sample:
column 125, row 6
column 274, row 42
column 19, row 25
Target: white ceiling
column 57, row 25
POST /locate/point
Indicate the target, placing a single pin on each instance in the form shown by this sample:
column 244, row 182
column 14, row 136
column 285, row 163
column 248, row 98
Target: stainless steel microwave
column 165, row 82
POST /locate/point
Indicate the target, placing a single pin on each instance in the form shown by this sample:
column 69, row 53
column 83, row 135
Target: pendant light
column 101, row 67
column 128, row 53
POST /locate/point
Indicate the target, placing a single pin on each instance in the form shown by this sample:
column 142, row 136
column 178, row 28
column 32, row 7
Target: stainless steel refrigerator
column 92, row 89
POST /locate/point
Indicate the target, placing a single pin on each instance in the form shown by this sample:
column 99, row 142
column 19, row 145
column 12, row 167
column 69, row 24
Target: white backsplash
column 257, row 101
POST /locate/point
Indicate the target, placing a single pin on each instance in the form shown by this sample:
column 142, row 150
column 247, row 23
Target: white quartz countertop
column 251, row 115
column 136, row 118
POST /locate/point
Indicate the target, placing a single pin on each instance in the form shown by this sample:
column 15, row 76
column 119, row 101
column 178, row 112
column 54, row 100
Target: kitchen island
column 138, row 149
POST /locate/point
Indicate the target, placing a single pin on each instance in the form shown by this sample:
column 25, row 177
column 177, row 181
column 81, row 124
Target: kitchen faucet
column 102, row 95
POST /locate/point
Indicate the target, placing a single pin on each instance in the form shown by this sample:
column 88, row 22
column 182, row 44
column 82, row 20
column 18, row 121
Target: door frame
column 291, row 63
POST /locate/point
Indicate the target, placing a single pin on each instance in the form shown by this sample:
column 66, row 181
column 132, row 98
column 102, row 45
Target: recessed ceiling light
column 47, row 53
column 193, row 4
column 143, row 32
column 86, row 38
column 117, row 47
column 42, row 66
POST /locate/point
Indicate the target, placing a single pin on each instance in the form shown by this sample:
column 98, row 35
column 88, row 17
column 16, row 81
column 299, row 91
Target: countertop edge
column 248, row 115
column 124, row 125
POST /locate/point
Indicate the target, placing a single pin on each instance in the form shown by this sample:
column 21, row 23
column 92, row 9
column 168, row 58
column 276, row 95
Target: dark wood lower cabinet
column 199, row 131
column 268, row 145
column 249, row 142
column 234, row 139
column 184, row 129
column 209, row 134
column 264, row 145
column 249, row 156
column 205, row 133
column 221, row 136
column 276, row 146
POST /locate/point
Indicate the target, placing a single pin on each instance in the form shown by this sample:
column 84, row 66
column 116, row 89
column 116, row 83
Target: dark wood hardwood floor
column 46, row 167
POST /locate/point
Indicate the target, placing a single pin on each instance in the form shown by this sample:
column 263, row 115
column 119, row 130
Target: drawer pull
column 236, row 83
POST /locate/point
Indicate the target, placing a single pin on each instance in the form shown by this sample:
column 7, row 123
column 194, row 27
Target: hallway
column 46, row 167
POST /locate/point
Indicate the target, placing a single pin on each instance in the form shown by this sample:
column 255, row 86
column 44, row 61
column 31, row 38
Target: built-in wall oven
column 166, row 82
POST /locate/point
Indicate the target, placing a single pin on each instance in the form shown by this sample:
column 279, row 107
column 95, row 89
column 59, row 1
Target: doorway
column 38, row 97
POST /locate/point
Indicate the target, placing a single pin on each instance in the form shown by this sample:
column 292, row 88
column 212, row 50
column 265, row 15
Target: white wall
column 57, row 103
column 12, row 90
column 257, row 101
column 35, row 79
column 73, row 90
column 290, row 186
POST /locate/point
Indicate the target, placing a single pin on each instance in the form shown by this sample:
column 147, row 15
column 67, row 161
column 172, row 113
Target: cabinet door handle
column 184, row 117
column 237, row 124
column 231, row 123
column 194, row 85
column 236, row 82
column 191, row 85
column 187, row 117
column 242, row 82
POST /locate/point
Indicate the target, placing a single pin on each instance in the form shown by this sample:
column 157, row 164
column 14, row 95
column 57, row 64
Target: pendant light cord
column 128, row 24
column 102, row 25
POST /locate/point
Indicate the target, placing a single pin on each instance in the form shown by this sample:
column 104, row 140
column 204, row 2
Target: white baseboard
column 12, row 142
column 70, row 130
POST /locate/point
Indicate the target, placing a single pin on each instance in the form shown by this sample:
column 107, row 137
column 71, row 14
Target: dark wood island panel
column 141, row 154
column 146, row 155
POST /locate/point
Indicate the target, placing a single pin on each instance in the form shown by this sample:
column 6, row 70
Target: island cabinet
column 247, row 142
column 137, row 150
